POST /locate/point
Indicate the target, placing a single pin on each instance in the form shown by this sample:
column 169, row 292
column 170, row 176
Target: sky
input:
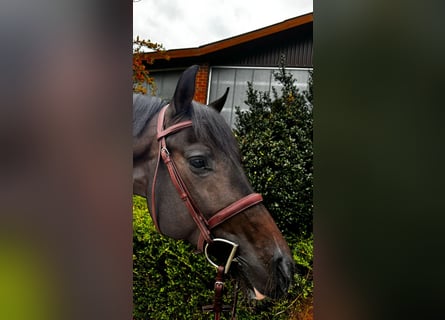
column 191, row 23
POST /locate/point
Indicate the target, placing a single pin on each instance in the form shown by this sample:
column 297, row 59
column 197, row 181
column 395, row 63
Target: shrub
column 169, row 280
column 275, row 137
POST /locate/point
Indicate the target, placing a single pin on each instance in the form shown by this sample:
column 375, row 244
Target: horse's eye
column 198, row 163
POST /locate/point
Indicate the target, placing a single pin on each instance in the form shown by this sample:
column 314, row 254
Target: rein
column 218, row 307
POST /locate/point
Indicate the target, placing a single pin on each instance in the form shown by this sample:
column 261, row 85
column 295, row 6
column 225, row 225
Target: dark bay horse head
column 206, row 158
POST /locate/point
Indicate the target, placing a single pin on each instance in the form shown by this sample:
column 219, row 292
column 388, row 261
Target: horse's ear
column 185, row 90
column 219, row 104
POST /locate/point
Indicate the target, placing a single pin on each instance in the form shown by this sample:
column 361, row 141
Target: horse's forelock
column 211, row 129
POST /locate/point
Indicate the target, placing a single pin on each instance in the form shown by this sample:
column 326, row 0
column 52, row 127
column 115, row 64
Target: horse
column 187, row 165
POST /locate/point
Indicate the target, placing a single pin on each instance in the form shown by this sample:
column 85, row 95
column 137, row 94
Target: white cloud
column 183, row 24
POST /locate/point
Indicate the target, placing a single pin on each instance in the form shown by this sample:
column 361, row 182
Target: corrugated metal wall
column 295, row 44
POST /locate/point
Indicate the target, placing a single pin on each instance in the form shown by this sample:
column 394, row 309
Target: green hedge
column 169, row 281
column 172, row 282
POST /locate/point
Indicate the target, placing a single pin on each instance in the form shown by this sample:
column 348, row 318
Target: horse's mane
column 209, row 126
column 144, row 108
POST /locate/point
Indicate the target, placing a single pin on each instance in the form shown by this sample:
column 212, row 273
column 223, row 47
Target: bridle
column 204, row 225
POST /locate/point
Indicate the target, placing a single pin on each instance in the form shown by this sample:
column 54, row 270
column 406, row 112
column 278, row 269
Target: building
column 249, row 57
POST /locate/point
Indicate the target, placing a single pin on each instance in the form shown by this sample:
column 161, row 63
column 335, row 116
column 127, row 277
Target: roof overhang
column 233, row 41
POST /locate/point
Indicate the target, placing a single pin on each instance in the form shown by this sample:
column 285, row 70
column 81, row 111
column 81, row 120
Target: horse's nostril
column 284, row 269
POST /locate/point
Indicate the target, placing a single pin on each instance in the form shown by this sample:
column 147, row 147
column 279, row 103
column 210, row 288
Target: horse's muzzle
column 283, row 273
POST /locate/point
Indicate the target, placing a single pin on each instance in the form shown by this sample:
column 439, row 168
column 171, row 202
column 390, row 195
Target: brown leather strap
column 235, row 208
column 173, row 129
column 230, row 211
column 161, row 133
column 185, row 195
column 218, row 307
column 152, row 210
